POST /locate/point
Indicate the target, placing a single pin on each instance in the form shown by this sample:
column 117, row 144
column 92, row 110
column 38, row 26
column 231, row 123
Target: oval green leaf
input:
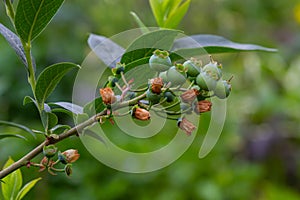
column 19, row 126
column 75, row 109
column 27, row 188
column 2, row 136
column 32, row 17
column 211, row 44
column 12, row 182
column 49, row 78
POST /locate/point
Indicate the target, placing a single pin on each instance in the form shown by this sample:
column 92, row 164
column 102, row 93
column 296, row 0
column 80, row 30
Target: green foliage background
column 257, row 155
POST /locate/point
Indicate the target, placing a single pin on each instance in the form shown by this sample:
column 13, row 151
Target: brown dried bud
column 189, row 96
column 68, row 156
column 108, row 95
column 141, row 114
column 202, row 106
column 156, row 85
column 186, row 126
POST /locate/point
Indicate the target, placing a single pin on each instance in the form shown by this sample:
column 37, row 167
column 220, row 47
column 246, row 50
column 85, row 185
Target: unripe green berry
column 192, row 67
column 169, row 96
column 112, row 81
column 176, row 75
column 50, row 150
column 160, row 61
column 152, row 97
column 223, row 89
column 213, row 70
column 164, row 77
column 120, row 68
column 205, row 81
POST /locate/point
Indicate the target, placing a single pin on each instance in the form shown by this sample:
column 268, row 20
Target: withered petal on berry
column 108, row 95
column 141, row 114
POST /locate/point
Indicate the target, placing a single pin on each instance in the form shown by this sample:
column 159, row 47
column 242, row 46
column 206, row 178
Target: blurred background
column 257, row 155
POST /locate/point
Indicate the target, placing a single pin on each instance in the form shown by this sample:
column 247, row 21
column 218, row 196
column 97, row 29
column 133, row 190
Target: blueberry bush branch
column 180, row 86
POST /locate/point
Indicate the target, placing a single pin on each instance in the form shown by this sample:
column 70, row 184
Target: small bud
column 141, row 114
column 202, row 106
column 68, row 169
column 156, row 85
column 49, row 150
column 108, row 95
column 186, row 126
column 189, row 96
column 68, row 156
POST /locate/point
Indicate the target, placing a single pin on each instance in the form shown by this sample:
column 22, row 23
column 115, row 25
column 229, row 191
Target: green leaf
column 59, row 128
column 76, row 109
column 52, row 120
column 93, row 107
column 28, row 99
column 14, row 41
column 108, row 51
column 13, row 182
column 32, row 17
column 2, row 136
column 81, row 118
column 199, row 44
column 19, row 126
column 49, row 78
column 142, row 48
column 156, row 7
column 176, row 15
column 49, row 119
column 140, row 23
column 27, row 188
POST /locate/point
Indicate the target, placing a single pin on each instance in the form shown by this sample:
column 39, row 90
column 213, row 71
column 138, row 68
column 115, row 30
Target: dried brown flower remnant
column 202, row 106
column 108, row 95
column 69, row 156
column 141, row 114
column 189, row 96
column 186, row 126
column 156, row 85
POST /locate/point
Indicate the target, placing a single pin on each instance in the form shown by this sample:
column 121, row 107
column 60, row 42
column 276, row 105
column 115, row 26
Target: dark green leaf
column 81, row 118
column 24, row 128
column 14, row 41
column 2, row 136
column 49, row 119
column 59, row 128
column 49, row 78
column 142, row 48
column 28, row 99
column 76, row 109
column 93, row 107
column 13, row 182
column 105, row 49
column 44, row 119
column 32, row 17
column 27, row 188
column 62, row 110
column 199, row 44
column 52, row 120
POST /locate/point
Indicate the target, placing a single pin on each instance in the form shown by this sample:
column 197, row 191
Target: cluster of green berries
column 206, row 79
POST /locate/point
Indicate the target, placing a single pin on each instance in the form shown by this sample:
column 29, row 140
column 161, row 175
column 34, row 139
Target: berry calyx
column 223, row 89
column 176, row 75
column 160, row 61
column 205, row 81
column 193, row 67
